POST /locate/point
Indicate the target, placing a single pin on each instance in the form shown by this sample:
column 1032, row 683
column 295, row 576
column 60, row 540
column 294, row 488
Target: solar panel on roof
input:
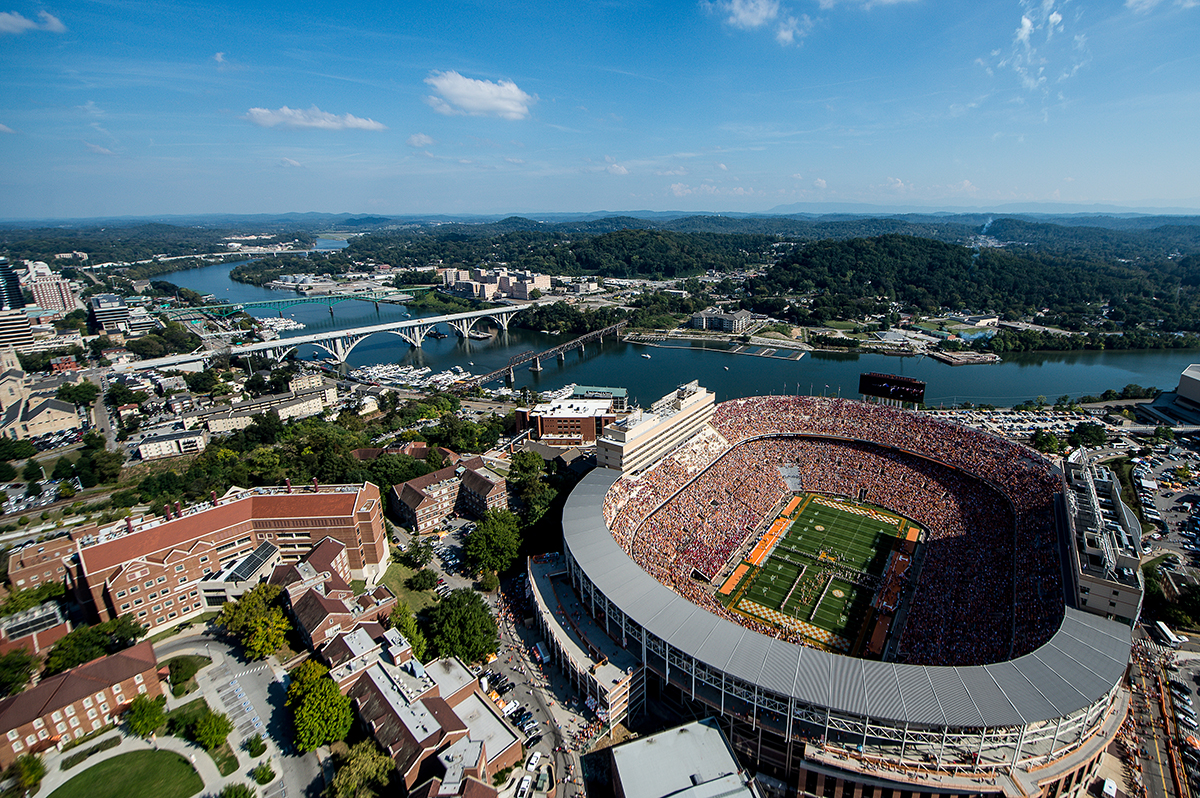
column 254, row 560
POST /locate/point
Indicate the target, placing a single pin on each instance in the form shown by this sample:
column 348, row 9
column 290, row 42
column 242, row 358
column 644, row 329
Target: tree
column 422, row 580
column 144, row 716
column 80, row 394
column 256, row 620
column 489, row 582
column 495, row 542
column 462, row 626
column 402, row 618
column 238, row 790
column 419, row 553
column 86, row 643
column 1087, row 433
column 63, row 469
column 212, row 729
column 7, row 472
column 33, row 471
column 364, row 772
column 1164, row 433
column 28, row 770
column 320, row 713
column 527, row 476
column 16, row 668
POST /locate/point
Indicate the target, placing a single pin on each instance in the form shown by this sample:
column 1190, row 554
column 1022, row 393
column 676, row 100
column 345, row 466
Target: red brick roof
column 67, row 688
column 205, row 525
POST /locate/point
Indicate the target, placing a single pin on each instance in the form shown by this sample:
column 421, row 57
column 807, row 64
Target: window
column 87, row 702
column 124, row 606
column 17, row 746
column 149, row 583
column 134, row 589
column 43, row 734
column 178, row 568
column 104, row 709
column 95, row 725
column 120, row 594
column 70, row 711
column 172, row 614
column 142, row 688
column 74, row 722
column 139, row 678
column 142, row 614
column 91, row 713
column 13, row 734
column 30, row 739
column 61, row 728
column 159, row 619
column 182, row 579
column 204, row 558
column 169, row 603
column 137, row 602
column 99, row 697
column 207, row 570
column 38, row 723
column 156, row 608
column 161, row 579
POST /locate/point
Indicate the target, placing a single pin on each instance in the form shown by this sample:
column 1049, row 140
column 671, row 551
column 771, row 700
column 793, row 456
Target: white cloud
column 468, row 96
column 828, row 4
column 517, row 161
column 790, row 28
column 288, row 163
column 680, row 189
column 90, row 108
column 419, row 140
column 1035, row 59
column 312, row 118
column 617, row 169
column 898, row 185
column 6, row 129
column 820, row 183
column 723, row 167
column 96, row 148
column 750, row 14
column 676, row 172
column 12, row 22
column 219, row 58
column 965, row 187
column 798, row 176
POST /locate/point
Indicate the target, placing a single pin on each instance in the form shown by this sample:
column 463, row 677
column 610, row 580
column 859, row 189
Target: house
column 468, row 486
column 76, row 703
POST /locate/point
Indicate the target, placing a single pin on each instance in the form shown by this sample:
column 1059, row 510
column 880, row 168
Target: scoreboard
column 891, row 386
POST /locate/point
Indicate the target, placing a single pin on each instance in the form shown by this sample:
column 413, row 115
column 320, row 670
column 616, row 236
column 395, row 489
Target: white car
column 534, row 759
column 523, row 789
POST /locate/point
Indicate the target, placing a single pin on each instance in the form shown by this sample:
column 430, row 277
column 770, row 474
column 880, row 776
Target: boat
column 646, row 356
column 727, row 368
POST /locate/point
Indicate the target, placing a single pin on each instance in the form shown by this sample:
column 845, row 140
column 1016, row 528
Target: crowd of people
column 989, row 587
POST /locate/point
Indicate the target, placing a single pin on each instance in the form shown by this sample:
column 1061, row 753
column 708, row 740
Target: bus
column 1167, row 636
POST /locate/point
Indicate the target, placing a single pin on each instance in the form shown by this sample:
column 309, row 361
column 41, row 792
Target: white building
column 641, row 440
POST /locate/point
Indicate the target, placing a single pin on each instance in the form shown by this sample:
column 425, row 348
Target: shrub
column 263, row 773
column 255, row 746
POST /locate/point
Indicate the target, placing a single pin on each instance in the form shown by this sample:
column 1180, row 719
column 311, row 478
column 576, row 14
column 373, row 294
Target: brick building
column 153, row 569
column 36, row 564
column 75, row 703
column 469, row 486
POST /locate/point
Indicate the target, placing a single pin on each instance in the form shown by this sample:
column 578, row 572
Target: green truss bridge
column 391, row 297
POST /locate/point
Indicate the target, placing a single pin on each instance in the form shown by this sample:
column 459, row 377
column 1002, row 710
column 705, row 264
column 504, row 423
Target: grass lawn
column 180, row 720
column 395, row 577
column 140, row 774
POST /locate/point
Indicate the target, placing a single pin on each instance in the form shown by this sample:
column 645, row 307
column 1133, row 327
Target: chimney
column 316, row 487
column 289, row 485
column 178, row 512
column 128, row 524
column 214, row 498
column 167, row 511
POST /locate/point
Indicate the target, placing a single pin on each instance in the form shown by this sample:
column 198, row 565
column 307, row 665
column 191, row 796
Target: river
column 1020, row 377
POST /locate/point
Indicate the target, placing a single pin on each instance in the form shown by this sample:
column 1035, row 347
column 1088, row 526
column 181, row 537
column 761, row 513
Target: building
column 76, row 703
column 1107, row 535
column 287, row 405
column 735, row 322
column 15, row 330
column 29, row 409
column 568, row 422
column 240, row 575
column 425, row 502
column 154, row 568
column 643, row 438
column 173, row 444
column 417, row 712
column 618, row 396
column 37, row 563
column 11, row 297
column 690, row 761
column 64, row 363
column 35, row 630
column 110, row 313
column 54, row 293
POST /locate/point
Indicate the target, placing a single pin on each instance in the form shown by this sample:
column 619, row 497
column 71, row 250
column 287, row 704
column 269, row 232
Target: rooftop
column 690, row 761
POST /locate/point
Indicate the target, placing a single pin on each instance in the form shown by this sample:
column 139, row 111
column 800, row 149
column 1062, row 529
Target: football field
column 820, row 577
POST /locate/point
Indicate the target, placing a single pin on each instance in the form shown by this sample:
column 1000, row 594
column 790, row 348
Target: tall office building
column 10, row 287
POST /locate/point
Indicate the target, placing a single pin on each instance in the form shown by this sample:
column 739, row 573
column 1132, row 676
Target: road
column 252, row 694
column 1151, row 725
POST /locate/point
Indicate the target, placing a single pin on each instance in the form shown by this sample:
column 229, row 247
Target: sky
column 115, row 107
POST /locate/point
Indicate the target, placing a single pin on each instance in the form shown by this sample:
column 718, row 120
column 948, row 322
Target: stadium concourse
column 995, row 686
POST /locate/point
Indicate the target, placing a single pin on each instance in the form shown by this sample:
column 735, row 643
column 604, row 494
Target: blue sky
column 115, row 108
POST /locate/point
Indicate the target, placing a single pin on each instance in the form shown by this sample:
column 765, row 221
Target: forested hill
column 848, row 278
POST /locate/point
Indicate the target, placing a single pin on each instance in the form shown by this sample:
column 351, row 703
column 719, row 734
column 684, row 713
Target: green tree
column 86, row 643
column 256, row 620
column 402, row 618
column 462, row 626
column 1164, row 433
column 496, row 541
column 144, row 716
column 320, row 713
column 419, row 553
column 364, row 772
column 16, row 668
column 7, row 472
column 211, row 730
column 33, row 471
column 422, row 580
column 489, row 581
column 28, row 770
column 238, row 790
column 1087, row 433
column 63, row 469
column 263, row 774
column 80, row 394
column 527, row 476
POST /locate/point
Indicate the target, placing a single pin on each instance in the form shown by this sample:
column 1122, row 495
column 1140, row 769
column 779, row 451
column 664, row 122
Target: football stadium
column 873, row 602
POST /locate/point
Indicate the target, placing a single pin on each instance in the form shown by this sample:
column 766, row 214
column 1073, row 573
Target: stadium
column 967, row 670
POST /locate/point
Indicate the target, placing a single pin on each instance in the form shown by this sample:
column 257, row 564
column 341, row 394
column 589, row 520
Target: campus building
column 634, row 443
column 154, row 568
column 76, row 703
column 469, row 486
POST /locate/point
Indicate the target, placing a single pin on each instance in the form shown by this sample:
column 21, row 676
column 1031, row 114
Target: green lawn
column 394, row 578
column 140, row 774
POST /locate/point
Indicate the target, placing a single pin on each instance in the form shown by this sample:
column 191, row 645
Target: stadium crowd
column 989, row 586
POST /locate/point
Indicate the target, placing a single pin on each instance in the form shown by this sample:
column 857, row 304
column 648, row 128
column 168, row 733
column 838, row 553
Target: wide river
column 1019, row 377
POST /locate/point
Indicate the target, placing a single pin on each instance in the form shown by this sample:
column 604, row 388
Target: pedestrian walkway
column 201, row 761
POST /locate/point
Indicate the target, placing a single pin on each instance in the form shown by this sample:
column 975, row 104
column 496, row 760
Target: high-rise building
column 14, row 329
column 110, row 312
column 10, row 287
column 53, row 293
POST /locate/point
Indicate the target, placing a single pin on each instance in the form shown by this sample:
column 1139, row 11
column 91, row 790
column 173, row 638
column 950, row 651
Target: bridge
column 223, row 310
column 340, row 343
column 560, row 351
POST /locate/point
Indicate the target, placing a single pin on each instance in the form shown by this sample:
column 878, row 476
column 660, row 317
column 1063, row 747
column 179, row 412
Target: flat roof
column 1077, row 667
column 693, row 760
column 484, row 725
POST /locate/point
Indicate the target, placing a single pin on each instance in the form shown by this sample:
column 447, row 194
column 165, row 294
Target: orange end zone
column 733, row 579
column 913, row 534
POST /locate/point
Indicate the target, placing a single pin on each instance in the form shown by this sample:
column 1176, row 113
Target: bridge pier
column 537, row 364
column 511, row 376
column 562, row 356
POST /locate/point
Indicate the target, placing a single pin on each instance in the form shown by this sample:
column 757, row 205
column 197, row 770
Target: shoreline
column 772, row 345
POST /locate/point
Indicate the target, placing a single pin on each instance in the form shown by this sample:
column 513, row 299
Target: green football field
column 805, row 577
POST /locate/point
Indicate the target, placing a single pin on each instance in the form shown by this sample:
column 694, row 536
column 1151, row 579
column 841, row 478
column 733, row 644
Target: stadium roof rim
column 1080, row 664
